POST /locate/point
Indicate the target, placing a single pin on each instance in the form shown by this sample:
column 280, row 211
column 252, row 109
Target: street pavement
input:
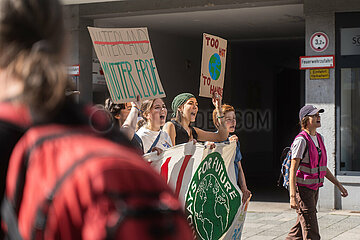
column 273, row 220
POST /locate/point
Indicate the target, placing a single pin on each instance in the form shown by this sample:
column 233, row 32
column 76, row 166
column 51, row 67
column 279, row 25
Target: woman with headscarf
column 185, row 108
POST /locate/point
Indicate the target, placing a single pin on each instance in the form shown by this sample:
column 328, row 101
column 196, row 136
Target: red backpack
column 66, row 182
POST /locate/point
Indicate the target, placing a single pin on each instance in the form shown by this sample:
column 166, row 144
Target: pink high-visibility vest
column 311, row 175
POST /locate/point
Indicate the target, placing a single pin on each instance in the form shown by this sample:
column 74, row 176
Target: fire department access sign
column 212, row 65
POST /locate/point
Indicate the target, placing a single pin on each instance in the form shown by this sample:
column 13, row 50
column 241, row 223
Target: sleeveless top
column 181, row 134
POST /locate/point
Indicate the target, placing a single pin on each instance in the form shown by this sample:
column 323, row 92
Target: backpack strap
column 10, row 218
column 20, row 181
column 155, row 142
column 306, row 147
column 284, row 154
column 43, row 210
column 11, row 207
column 159, row 210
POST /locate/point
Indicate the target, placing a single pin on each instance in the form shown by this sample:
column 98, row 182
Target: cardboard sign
column 204, row 181
column 128, row 63
column 212, row 65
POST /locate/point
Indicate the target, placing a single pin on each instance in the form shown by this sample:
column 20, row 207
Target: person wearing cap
column 307, row 172
column 185, row 108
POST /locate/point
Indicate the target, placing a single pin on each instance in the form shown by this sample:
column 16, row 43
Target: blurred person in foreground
column 67, row 178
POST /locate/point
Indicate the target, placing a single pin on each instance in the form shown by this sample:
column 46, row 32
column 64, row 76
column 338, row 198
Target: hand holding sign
column 216, row 100
column 137, row 103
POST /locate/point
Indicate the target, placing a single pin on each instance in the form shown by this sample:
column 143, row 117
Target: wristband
column 137, row 108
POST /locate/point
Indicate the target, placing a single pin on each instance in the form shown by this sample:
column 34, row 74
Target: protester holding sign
column 185, row 108
column 119, row 111
column 124, row 115
column 154, row 114
column 230, row 122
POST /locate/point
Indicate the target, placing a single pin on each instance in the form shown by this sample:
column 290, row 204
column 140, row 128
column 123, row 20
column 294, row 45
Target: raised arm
column 222, row 133
column 170, row 129
column 129, row 126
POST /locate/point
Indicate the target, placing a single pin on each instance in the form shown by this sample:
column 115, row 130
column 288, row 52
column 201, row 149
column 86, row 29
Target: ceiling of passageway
column 272, row 22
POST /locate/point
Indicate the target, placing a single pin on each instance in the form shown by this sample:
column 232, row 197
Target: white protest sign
column 212, row 65
column 128, row 63
column 204, row 181
column 313, row 62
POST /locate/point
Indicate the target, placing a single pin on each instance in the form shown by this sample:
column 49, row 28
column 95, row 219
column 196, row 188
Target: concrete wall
column 320, row 16
column 80, row 49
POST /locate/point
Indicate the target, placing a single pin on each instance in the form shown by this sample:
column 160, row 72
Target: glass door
column 350, row 119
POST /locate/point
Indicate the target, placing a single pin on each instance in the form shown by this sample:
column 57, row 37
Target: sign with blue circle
column 215, row 66
column 212, row 65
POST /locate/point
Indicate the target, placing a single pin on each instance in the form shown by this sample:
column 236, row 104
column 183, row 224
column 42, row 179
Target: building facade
column 263, row 80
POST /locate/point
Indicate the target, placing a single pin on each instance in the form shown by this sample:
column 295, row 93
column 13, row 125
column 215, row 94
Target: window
column 350, row 119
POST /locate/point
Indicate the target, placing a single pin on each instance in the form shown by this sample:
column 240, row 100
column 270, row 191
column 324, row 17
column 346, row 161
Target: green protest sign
column 128, row 63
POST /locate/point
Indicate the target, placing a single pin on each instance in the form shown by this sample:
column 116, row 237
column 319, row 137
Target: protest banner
column 212, row 65
column 204, row 181
column 128, row 63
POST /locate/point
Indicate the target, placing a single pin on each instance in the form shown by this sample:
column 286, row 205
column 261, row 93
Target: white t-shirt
column 299, row 145
column 148, row 137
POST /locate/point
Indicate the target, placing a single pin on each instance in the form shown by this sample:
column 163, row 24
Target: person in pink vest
column 307, row 172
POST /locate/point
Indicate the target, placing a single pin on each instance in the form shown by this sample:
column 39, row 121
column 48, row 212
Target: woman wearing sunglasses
column 307, row 172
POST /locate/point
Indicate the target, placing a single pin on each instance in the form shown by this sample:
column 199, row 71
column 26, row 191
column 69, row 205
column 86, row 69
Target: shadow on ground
column 265, row 189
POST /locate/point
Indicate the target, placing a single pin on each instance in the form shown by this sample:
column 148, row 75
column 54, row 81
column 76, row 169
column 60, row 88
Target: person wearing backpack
column 64, row 179
column 154, row 114
column 308, row 169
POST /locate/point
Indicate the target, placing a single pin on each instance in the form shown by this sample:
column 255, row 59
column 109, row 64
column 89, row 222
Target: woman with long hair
column 124, row 116
column 230, row 123
column 119, row 111
column 154, row 113
column 308, row 169
column 185, row 108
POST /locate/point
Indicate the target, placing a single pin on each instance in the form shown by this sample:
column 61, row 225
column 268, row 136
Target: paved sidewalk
column 269, row 220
